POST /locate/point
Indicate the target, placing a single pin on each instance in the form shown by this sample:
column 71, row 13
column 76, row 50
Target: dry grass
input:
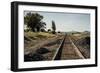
column 38, row 35
column 40, row 40
column 82, row 42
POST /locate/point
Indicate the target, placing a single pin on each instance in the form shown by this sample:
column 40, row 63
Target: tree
column 27, row 17
column 34, row 21
column 53, row 27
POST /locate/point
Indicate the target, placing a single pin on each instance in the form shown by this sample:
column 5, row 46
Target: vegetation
column 49, row 30
column 59, row 32
column 41, row 43
column 39, row 35
column 53, row 27
column 34, row 22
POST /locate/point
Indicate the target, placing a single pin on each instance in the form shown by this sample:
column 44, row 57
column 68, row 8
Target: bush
column 59, row 32
column 49, row 30
column 53, row 32
column 43, row 30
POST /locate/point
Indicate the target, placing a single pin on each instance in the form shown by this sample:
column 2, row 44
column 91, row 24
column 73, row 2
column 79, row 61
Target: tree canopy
column 34, row 21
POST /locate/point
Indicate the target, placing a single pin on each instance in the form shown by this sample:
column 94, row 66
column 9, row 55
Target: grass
column 81, row 35
column 38, row 35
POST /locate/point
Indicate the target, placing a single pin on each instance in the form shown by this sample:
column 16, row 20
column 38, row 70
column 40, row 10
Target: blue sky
column 66, row 21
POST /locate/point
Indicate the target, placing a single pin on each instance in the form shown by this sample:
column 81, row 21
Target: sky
column 66, row 22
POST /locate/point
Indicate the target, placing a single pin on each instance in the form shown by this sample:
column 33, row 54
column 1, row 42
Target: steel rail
column 57, row 55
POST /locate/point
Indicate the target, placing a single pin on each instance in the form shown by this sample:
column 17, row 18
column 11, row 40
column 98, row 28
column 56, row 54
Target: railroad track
column 67, row 50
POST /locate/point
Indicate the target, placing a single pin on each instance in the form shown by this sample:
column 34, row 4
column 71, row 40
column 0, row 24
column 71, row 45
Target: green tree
column 34, row 21
column 53, row 27
column 27, row 17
